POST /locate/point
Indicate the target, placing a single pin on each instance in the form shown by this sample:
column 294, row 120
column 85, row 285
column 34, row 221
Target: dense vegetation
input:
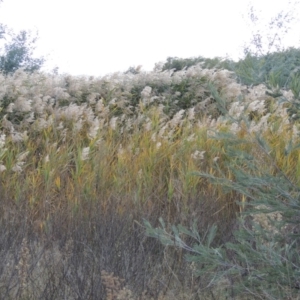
column 274, row 69
column 181, row 183
column 92, row 168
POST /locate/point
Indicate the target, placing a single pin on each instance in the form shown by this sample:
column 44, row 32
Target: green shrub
column 262, row 259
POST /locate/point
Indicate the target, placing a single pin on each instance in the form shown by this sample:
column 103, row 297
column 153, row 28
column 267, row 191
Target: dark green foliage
column 274, row 69
column 180, row 94
column 18, row 51
column 294, row 110
column 18, row 54
column 295, row 85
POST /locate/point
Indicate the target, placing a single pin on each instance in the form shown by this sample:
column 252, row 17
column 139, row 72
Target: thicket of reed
column 84, row 160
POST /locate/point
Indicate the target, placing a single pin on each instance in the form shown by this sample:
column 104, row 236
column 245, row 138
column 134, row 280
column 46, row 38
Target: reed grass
column 75, row 149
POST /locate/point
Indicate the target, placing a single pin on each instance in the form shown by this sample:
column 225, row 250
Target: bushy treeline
column 274, row 69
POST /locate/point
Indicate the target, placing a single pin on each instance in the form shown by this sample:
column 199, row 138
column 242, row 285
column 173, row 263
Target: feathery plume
column 198, row 155
column 113, row 123
column 85, row 153
column 177, row 118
